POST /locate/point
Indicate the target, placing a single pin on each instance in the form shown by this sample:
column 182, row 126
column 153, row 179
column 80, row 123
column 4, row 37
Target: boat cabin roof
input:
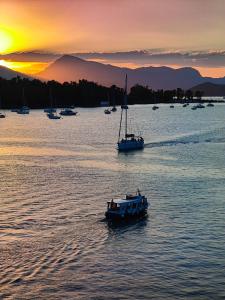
column 128, row 199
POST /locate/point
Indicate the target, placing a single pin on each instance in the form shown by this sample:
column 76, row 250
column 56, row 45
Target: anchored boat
column 129, row 207
column 129, row 141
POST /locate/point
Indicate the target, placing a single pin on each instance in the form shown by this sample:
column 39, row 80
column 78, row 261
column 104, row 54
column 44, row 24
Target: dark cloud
column 208, row 59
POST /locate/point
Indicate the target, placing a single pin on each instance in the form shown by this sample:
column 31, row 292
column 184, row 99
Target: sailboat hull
column 127, row 145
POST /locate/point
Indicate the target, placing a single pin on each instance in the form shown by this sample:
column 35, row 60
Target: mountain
column 7, row 73
column 71, row 68
column 210, row 89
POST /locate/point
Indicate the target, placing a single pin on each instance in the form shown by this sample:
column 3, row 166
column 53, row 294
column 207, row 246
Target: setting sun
column 5, row 41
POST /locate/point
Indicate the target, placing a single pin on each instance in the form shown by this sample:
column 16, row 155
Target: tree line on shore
column 35, row 93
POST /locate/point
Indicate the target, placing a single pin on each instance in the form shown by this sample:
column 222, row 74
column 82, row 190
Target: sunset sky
column 74, row 26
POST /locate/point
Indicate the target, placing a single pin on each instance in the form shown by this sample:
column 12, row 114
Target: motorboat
column 68, row 112
column 171, row 106
column 155, row 107
column 199, row 105
column 114, row 109
column 132, row 206
column 129, row 141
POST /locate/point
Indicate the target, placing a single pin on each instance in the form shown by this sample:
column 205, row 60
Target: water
column 56, row 176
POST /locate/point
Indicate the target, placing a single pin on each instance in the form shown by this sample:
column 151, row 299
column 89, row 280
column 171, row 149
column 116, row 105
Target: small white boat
column 53, row 116
column 129, row 207
column 67, row 112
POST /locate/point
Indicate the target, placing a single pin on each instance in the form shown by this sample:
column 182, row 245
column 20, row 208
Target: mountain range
column 71, row 68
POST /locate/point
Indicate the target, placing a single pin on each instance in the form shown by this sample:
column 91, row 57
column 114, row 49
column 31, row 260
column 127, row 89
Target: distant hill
column 7, row 73
column 210, row 89
column 71, row 68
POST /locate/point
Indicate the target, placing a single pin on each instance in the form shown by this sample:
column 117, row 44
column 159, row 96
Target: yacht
column 129, row 141
column 129, row 207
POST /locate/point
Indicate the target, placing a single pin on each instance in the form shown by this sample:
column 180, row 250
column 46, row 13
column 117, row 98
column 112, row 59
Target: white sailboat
column 52, row 112
column 129, row 141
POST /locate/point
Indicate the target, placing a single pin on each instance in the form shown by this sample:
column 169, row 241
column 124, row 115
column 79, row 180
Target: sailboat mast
column 125, row 103
column 121, row 117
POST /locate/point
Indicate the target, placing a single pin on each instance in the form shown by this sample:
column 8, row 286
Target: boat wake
column 213, row 136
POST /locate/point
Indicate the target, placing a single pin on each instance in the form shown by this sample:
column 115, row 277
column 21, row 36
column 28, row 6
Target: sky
column 109, row 26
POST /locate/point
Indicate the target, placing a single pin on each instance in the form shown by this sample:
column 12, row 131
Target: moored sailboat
column 130, row 141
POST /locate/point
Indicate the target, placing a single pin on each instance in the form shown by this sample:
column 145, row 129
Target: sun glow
column 24, row 67
column 5, row 41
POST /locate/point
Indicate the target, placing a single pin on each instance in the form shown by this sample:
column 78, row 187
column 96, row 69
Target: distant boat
column 107, row 111
column 53, row 116
column 185, row 105
column 171, row 106
column 131, row 206
column 155, row 107
column 68, row 112
column 210, row 104
column 129, row 141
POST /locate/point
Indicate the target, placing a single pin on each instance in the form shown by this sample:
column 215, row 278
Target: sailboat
column 24, row 110
column 129, row 141
column 114, row 109
column 52, row 112
column 2, row 116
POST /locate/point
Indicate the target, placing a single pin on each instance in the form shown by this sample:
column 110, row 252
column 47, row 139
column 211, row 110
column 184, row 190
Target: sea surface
column 56, row 177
